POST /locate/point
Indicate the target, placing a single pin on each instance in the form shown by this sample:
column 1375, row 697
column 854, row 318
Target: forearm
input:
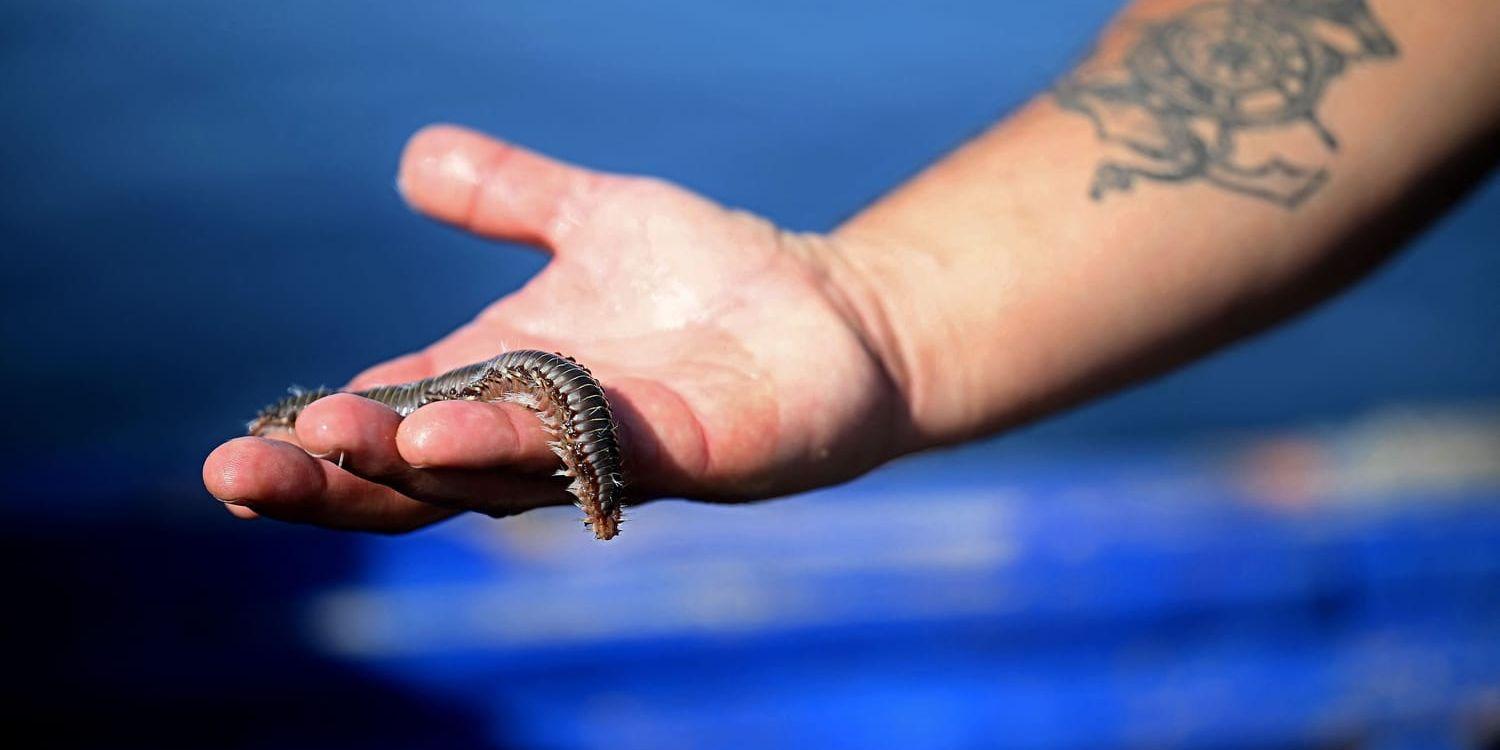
column 1129, row 221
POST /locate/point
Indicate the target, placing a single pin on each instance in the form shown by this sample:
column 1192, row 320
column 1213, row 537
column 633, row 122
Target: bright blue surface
column 1076, row 602
column 199, row 211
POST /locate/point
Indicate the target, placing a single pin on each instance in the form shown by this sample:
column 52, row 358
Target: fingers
column 356, row 433
column 460, row 455
column 489, row 187
column 470, row 435
column 357, row 465
column 369, row 439
column 463, row 455
column 279, row 480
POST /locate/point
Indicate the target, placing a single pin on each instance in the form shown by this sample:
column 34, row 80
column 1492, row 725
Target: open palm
column 737, row 357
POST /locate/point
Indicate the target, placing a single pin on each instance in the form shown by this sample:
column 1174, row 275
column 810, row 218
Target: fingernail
column 439, row 181
column 242, row 513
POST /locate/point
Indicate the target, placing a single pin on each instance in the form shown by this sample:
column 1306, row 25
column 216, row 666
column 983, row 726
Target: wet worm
column 562, row 393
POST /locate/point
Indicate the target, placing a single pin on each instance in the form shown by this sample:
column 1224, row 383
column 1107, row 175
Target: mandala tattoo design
column 1192, row 85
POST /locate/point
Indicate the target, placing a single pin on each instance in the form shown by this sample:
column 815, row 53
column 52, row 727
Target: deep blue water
column 199, row 211
column 201, row 207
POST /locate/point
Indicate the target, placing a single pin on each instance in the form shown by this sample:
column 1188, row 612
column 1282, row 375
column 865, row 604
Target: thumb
column 486, row 186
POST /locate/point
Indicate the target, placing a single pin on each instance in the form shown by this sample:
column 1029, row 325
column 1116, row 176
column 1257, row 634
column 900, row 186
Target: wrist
column 890, row 290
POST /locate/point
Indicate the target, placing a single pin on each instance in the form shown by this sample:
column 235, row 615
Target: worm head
column 282, row 415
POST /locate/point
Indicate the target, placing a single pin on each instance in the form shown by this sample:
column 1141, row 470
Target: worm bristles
column 565, row 396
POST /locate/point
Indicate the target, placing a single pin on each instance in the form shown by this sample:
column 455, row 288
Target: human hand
column 741, row 361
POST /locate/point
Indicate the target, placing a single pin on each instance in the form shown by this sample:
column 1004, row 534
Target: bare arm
column 1215, row 166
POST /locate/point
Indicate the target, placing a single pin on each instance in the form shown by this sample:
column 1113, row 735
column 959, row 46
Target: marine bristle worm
column 562, row 393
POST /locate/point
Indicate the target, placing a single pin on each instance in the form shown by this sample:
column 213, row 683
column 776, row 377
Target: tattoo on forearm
column 1177, row 106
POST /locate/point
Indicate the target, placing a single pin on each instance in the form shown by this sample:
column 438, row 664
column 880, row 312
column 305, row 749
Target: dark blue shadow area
column 159, row 633
column 200, row 212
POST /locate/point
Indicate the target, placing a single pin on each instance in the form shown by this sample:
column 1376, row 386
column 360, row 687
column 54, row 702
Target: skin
column 662, row 293
column 745, row 362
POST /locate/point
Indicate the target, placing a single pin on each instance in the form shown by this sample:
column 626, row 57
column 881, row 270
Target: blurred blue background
column 1293, row 544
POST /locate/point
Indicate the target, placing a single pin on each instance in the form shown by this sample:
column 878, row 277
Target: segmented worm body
column 562, row 393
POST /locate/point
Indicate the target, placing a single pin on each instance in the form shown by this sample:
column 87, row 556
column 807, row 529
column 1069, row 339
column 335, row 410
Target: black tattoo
column 1192, row 83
